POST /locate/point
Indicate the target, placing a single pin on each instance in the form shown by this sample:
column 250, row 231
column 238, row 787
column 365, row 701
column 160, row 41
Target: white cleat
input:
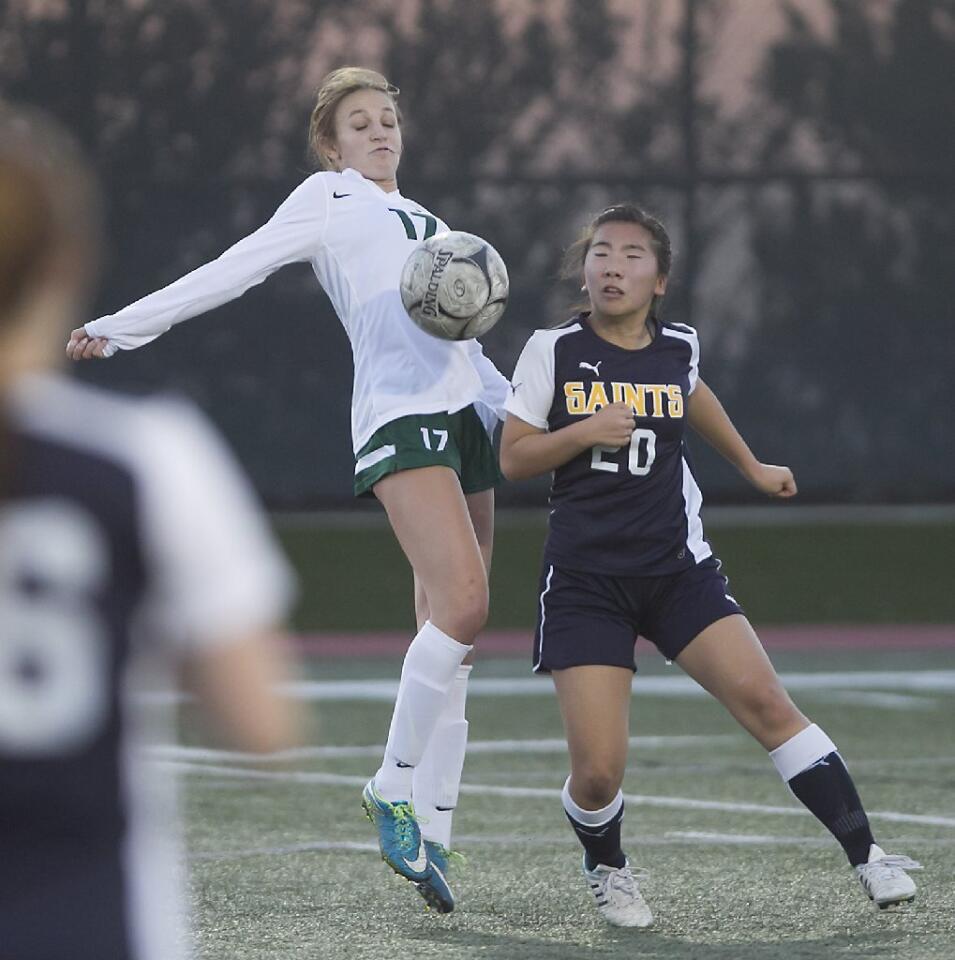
column 617, row 895
column 884, row 878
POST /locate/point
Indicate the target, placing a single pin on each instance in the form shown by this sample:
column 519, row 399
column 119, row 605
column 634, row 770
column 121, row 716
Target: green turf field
column 285, row 866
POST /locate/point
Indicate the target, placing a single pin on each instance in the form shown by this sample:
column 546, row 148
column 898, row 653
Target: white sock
column 438, row 776
column 429, row 669
column 801, row 751
column 590, row 818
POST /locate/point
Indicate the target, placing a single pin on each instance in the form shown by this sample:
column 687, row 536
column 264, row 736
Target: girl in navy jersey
column 422, row 409
column 603, row 402
column 127, row 552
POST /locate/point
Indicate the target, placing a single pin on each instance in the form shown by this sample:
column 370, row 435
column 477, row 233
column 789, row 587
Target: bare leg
column 595, row 706
column 429, row 515
column 481, row 510
column 729, row 661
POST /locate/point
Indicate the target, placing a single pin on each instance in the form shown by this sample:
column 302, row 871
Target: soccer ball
column 454, row 286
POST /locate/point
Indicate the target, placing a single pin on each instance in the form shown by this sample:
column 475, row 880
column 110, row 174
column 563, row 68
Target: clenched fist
column 612, row 426
column 82, row 346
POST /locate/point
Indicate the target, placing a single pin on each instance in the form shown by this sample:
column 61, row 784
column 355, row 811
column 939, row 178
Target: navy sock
column 601, row 843
column 827, row 791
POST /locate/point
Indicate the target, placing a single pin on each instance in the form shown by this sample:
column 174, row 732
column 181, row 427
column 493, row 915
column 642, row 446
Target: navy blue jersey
column 65, row 644
column 125, row 539
column 630, row 511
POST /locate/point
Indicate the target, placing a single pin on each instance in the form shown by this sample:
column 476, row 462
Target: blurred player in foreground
column 604, row 401
column 129, row 547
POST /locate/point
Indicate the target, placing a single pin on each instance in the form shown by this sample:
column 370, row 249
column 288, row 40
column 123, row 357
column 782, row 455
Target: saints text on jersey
column 645, row 399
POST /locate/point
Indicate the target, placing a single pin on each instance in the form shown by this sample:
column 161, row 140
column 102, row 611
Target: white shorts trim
column 376, row 456
column 540, row 641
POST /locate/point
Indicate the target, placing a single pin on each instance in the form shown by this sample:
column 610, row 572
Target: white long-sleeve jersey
column 357, row 238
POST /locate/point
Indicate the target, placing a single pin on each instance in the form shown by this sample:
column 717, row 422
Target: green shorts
column 456, row 440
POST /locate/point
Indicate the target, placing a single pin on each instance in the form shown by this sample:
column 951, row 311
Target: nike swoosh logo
column 421, row 862
column 438, row 872
column 340, row 196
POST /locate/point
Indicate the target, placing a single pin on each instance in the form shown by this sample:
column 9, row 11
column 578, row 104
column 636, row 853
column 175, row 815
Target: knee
column 772, row 714
column 595, row 786
column 475, row 604
column 463, row 612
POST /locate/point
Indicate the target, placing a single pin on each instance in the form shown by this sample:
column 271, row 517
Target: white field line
column 871, row 698
column 315, row 845
column 914, row 681
column 567, row 839
column 174, row 751
column 549, row 793
column 556, row 745
column 504, row 840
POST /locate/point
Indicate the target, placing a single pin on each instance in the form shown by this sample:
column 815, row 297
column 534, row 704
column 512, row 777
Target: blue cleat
column 399, row 838
column 435, row 890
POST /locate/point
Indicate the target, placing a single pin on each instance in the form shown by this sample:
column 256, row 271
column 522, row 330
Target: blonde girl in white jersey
column 421, row 412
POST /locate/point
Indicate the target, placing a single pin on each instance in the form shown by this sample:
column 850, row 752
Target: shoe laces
column 623, row 880
column 620, row 880
column 451, row 857
column 404, row 825
column 889, row 864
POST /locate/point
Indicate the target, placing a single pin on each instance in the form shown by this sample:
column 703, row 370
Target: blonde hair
column 334, row 88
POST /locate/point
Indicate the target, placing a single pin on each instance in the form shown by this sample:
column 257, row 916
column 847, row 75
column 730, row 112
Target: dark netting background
column 800, row 152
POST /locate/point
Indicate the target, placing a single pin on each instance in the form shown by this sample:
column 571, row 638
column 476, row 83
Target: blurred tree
column 195, row 114
column 856, row 274
column 523, row 118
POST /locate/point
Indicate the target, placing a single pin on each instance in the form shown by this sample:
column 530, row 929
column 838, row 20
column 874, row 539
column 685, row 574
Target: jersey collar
column 584, row 320
column 353, row 174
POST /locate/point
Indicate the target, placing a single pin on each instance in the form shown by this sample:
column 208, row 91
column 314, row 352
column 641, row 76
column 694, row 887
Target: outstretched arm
column 292, row 234
column 706, row 416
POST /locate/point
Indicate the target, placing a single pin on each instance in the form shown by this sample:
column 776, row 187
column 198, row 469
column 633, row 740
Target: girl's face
column 368, row 136
column 620, row 270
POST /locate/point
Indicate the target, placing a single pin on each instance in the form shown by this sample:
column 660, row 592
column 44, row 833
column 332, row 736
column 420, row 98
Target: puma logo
column 591, row 366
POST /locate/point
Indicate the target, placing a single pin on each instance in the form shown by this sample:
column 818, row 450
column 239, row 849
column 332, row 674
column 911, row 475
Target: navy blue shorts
column 586, row 618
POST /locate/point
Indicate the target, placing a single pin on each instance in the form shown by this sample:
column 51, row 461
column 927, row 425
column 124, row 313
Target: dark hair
column 572, row 265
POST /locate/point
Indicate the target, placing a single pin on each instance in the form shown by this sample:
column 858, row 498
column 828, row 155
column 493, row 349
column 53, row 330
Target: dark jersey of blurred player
column 126, row 538
column 632, row 511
